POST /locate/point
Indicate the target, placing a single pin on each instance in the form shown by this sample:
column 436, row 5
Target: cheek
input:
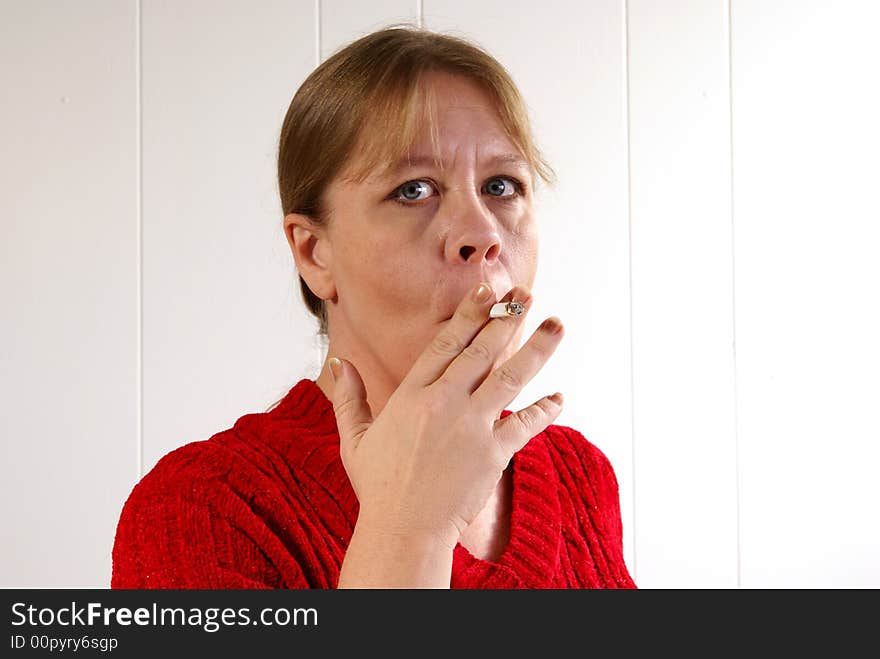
column 397, row 287
column 523, row 231
column 523, row 258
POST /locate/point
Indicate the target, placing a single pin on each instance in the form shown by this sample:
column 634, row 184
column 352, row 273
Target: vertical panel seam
column 632, row 392
column 421, row 13
column 317, row 33
column 733, row 301
column 139, row 212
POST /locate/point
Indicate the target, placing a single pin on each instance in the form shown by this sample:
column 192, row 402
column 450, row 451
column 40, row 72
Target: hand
column 428, row 464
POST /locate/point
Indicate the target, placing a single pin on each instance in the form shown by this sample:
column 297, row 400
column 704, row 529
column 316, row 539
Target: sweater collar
column 531, row 556
column 306, row 402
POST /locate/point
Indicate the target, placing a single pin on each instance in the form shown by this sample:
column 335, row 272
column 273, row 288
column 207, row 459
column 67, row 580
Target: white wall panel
column 682, row 307
column 805, row 145
column 568, row 60
column 69, row 282
column 225, row 331
column 343, row 21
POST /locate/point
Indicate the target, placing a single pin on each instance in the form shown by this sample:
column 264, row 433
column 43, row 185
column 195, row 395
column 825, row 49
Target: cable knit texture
column 267, row 504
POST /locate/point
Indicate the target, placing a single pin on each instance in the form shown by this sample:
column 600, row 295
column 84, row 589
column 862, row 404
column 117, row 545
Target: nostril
column 467, row 251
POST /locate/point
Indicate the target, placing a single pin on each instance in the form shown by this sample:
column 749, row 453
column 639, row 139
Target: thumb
column 353, row 414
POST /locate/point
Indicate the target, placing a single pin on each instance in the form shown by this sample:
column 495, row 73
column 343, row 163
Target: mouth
column 507, row 297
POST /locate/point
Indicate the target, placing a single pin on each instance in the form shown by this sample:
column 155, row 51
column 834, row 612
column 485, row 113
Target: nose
column 473, row 230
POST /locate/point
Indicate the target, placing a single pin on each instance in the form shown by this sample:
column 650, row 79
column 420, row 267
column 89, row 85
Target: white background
column 711, row 247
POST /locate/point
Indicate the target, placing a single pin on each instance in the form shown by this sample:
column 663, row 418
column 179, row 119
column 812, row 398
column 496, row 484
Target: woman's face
column 408, row 245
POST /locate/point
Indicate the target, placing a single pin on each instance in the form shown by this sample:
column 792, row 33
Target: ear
column 312, row 253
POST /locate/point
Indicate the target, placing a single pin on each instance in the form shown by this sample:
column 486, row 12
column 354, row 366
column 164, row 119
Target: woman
column 406, row 170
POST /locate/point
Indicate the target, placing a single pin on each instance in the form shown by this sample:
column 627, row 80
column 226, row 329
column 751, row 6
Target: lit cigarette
column 507, row 309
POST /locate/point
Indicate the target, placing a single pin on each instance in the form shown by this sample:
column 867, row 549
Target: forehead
column 448, row 90
column 503, row 159
column 441, row 120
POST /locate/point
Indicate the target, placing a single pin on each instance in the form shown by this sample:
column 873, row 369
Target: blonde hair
column 363, row 99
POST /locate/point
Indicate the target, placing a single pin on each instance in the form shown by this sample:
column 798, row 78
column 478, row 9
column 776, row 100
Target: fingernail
column 556, row 398
column 335, row 368
column 552, row 326
column 482, row 293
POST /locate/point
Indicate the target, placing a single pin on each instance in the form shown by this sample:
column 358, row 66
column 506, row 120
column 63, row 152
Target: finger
column 470, row 368
column 353, row 414
column 505, row 382
column 472, row 313
column 515, row 430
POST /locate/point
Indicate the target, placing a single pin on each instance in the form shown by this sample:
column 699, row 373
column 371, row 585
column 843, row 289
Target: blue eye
column 411, row 190
column 496, row 188
column 504, row 188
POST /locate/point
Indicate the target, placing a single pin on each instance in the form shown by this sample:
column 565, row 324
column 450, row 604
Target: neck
column 378, row 382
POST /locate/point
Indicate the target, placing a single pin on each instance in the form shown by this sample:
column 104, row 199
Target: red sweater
column 267, row 504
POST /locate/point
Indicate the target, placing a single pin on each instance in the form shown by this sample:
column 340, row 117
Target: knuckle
column 544, row 406
column 508, row 377
column 341, row 409
column 438, row 398
column 446, row 343
column 526, row 418
column 479, row 351
column 477, row 313
column 543, row 343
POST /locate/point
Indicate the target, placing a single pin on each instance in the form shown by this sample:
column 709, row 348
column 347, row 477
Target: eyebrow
column 511, row 159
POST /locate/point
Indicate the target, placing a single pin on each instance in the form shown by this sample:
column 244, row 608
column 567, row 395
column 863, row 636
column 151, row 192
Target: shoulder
column 191, row 472
column 570, row 449
column 586, row 481
column 230, row 475
column 580, row 468
column 263, row 467
column 566, row 446
column 176, row 504
column 198, row 518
